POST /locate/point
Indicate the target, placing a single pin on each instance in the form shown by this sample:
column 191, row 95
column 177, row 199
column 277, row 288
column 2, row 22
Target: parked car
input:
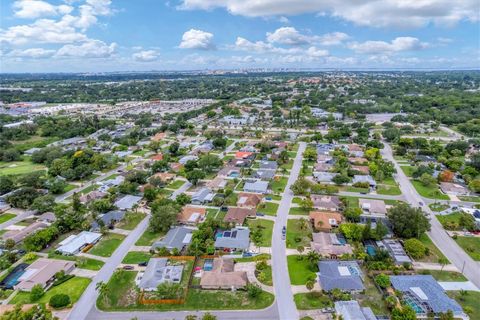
column 128, row 268
column 261, row 214
column 143, row 264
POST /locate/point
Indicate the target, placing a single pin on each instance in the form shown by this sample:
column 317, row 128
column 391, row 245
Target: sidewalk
column 434, row 266
column 457, row 286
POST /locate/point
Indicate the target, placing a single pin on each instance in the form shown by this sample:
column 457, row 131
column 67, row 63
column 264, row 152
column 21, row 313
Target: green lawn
column 107, row 245
column 148, row 238
column 434, row 253
column 19, row 167
column 312, row 300
column 450, row 221
column 288, row 165
column 134, row 257
column 265, row 276
column 468, row 301
column 122, row 295
column 176, row 184
column 351, row 202
column 297, row 200
column 469, row 198
column 279, row 185
column 298, row 211
column 296, row 236
column 261, row 256
column 355, row 189
column 471, row 246
column 268, row 208
column 73, row 288
column 6, row 216
column 437, row 207
column 429, row 192
column 69, row 187
column 408, row 170
column 442, row 275
column 300, row 271
column 372, row 298
column 267, row 229
column 89, row 188
column 131, row 220
column 389, row 190
column 211, row 213
column 81, row 262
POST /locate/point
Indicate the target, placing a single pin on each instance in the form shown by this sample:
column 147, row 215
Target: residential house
column 110, row 183
column 31, row 151
column 361, row 169
column 325, row 148
column 268, row 165
column 92, row 195
column 158, row 271
column 343, row 275
column 191, row 215
column 236, row 239
column 325, row 220
column 249, row 200
column 244, row 155
column 351, row 310
column 75, row 243
column 357, row 160
column 159, row 136
column 264, row 174
column 176, row 238
column 325, row 177
column 19, row 235
column 453, row 189
column 165, row 177
column 223, row 276
column 240, row 163
column 204, row 147
column 157, row 157
column 175, row 166
column 42, row 272
column 322, row 167
column 323, row 202
column 217, row 183
column 256, row 186
column 364, row 179
column 128, row 202
column 238, row 120
column 229, row 172
column 187, row 158
column 330, row 245
column 108, row 219
column 47, row 217
column 202, row 196
column 426, row 295
column 372, row 210
column 238, row 215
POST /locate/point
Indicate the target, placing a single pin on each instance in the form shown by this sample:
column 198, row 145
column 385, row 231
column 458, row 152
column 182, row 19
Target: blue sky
column 126, row 35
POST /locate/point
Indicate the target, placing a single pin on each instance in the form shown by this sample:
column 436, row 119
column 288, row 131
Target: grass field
column 450, row 221
column 6, row 216
column 107, row 245
column 81, row 262
column 134, row 257
column 468, row 301
column 268, row 208
column 296, row 236
column 300, row 269
column 442, row 275
column 469, row 198
column 429, row 192
column 435, row 253
column 279, row 185
column 267, row 229
column 437, row 207
column 389, row 190
column 148, row 238
column 312, row 300
column 471, row 246
column 298, row 211
column 408, row 170
column 73, row 288
column 176, row 184
column 121, row 295
column 19, row 167
column 131, row 220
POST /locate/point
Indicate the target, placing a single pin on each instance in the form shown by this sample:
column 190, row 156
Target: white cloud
column 398, row 13
column 288, row 36
column 32, row 53
column 88, row 49
column 31, row 9
column 396, row 45
column 145, row 56
column 197, row 39
column 316, row 53
column 334, row 38
column 243, row 44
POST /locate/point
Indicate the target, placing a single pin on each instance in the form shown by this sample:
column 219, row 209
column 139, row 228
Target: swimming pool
column 12, row 279
column 370, row 250
column 208, row 265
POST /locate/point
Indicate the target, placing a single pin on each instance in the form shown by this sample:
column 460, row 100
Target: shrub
column 415, row 248
column 59, row 301
column 382, row 280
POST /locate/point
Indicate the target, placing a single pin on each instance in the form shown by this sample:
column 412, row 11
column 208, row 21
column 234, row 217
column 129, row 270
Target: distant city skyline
column 145, row 35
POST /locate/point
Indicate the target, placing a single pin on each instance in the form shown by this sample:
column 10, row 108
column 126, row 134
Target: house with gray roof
column 264, row 174
column 351, row 310
column 396, row 251
column 107, row 219
column 202, row 196
column 324, row 176
column 364, row 179
column 343, row 275
column 425, row 295
column 187, row 158
column 256, row 186
column 176, row 238
column 236, row 239
column 158, row 271
column 268, row 165
column 127, row 202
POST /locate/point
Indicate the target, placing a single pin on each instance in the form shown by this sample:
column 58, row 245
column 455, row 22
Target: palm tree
column 103, row 289
column 303, row 224
column 310, row 284
column 443, row 261
column 313, row 257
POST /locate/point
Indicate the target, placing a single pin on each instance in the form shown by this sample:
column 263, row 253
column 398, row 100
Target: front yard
column 107, row 245
column 266, row 227
column 432, row 192
column 278, row 184
column 148, row 238
column 299, row 233
column 268, row 208
column 300, row 269
column 468, row 300
column 6, row 216
column 312, row 300
column 471, row 245
column 131, row 220
column 434, row 253
column 135, row 257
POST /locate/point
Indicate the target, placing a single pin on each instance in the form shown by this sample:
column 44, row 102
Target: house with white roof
column 75, row 243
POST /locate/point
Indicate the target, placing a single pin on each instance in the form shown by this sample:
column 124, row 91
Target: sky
column 156, row 35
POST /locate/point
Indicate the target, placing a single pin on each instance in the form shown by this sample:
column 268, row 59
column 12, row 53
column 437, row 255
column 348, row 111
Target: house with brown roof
column 453, row 189
column 249, row 200
column 217, row 183
column 93, row 195
column 238, row 215
column 324, row 202
column 362, row 169
column 191, row 215
column 42, row 272
column 323, row 166
column 354, row 147
column 372, row 210
column 244, row 155
column 223, row 276
column 325, row 220
column 164, row 176
column 157, row 157
column 159, row 136
column 175, row 166
column 19, row 235
column 357, row 160
column 329, row 245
